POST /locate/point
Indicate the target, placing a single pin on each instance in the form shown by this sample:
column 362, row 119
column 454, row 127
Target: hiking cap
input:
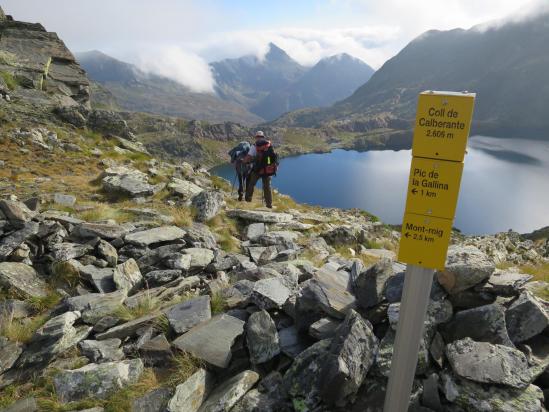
column 259, row 133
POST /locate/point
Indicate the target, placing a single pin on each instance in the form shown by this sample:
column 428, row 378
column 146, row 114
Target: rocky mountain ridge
column 502, row 64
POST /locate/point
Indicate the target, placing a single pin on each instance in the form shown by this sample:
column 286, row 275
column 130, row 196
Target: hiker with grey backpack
column 242, row 169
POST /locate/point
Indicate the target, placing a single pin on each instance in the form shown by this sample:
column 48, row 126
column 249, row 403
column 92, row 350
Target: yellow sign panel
column 433, row 187
column 424, row 241
column 443, row 121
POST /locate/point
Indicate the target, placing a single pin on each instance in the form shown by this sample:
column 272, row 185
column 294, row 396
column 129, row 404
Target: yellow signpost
column 433, row 187
column 443, row 121
column 424, row 240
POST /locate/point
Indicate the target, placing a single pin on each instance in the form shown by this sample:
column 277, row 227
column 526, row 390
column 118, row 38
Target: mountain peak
column 276, row 53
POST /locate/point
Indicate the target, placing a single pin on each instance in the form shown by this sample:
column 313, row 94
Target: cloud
column 306, row 46
column 175, row 63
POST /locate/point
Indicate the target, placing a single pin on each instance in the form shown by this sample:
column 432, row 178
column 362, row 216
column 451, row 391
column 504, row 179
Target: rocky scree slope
column 143, row 285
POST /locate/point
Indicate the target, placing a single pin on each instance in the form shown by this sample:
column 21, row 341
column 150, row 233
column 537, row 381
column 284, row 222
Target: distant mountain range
column 135, row 90
column 249, row 90
column 278, row 84
column 506, row 65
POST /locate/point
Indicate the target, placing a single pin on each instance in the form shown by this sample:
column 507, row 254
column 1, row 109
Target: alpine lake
column 505, row 183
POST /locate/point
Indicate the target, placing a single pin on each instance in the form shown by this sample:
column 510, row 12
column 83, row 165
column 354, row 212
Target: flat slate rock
column 102, row 230
column 155, row 235
column 226, row 395
column 9, row 353
column 95, row 306
column 12, row 241
column 211, row 341
column 97, row 381
column 259, row 216
column 129, row 328
column 22, row 278
column 270, row 293
column 331, row 290
column 190, row 395
column 188, row 314
column 486, row 363
column 101, row 279
column 153, row 401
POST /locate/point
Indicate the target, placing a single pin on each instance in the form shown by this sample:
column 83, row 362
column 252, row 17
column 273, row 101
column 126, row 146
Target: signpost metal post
column 443, row 121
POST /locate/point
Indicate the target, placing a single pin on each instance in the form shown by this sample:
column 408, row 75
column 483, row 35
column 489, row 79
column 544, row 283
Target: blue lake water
column 505, row 183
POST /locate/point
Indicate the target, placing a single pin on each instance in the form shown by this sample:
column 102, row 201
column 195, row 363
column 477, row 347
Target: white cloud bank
column 173, row 62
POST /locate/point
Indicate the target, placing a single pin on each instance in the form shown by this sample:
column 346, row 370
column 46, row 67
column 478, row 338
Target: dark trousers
column 267, row 194
column 242, row 182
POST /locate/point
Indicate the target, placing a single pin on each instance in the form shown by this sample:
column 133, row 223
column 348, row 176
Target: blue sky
column 178, row 37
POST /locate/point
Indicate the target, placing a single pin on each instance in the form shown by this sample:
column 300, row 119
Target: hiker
column 265, row 164
column 242, row 169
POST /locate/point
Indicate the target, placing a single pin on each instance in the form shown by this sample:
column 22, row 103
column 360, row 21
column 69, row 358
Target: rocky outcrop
column 40, row 60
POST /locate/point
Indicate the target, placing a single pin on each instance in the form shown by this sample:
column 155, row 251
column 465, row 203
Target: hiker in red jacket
column 265, row 164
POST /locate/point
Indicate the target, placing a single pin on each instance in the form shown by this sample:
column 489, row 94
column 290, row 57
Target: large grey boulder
column 506, row 283
column 526, row 318
column 190, row 395
column 262, row 337
column 129, row 329
column 9, row 353
column 351, row 354
column 155, row 235
column 259, row 216
column 156, row 351
column 184, row 189
column 226, row 395
column 270, row 293
column 23, row 279
column 107, row 350
column 188, row 314
column 67, row 251
column 466, row 266
column 107, row 252
column 103, row 230
column 153, row 401
column 486, row 363
column 483, row 324
column 254, row 230
column 302, row 380
column 101, row 279
column 207, row 204
column 109, row 122
column 324, row 328
column 17, row 213
column 13, row 240
column 211, row 341
column 95, row 306
column 127, row 276
column 328, row 292
column 471, row 396
column 131, row 184
column 161, row 277
column 97, row 380
column 200, row 257
column 370, row 285
column 54, row 337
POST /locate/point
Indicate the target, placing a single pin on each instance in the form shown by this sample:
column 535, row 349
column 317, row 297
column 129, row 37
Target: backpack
column 239, row 151
column 266, row 160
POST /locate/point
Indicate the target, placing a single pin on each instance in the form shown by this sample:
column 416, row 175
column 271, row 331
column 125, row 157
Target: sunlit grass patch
column 20, row 330
column 218, row 303
column 184, row 366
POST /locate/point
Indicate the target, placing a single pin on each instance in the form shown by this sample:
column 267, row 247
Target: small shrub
column 184, row 366
column 40, row 304
column 10, row 81
column 19, row 330
column 145, row 306
column 65, row 274
column 218, row 303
